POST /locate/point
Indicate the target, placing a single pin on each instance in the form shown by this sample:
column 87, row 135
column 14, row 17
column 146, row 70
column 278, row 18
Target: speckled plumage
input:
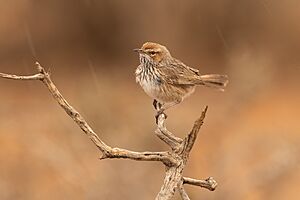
column 167, row 79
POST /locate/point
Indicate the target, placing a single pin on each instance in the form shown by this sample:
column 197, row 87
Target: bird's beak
column 138, row 50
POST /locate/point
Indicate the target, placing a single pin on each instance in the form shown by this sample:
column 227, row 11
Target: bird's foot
column 156, row 104
column 160, row 112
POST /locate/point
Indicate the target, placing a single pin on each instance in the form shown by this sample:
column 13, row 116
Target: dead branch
column 166, row 135
column 174, row 160
column 182, row 192
column 208, row 183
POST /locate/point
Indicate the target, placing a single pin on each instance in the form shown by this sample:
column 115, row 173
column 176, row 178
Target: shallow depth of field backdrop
column 250, row 141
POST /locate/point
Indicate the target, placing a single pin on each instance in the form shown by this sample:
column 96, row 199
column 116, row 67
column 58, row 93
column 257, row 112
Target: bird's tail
column 215, row 81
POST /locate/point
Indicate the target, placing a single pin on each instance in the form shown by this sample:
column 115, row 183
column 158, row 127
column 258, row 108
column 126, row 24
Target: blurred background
column 250, row 141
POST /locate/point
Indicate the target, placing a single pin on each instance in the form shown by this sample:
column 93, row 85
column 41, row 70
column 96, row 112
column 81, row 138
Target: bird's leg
column 156, row 104
column 158, row 107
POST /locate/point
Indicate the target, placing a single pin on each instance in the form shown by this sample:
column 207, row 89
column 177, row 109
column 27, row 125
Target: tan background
column 251, row 136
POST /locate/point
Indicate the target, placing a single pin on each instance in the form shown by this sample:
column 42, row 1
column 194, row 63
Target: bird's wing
column 177, row 73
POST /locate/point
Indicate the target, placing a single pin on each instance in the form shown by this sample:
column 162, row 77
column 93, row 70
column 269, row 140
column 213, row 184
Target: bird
column 167, row 80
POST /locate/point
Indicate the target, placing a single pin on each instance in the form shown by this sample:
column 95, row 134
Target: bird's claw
column 156, row 104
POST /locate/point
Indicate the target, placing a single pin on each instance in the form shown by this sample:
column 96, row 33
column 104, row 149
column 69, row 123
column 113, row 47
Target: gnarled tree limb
column 182, row 192
column 174, row 160
column 165, row 135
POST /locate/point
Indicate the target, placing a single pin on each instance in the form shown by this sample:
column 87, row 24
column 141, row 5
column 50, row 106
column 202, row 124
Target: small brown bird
column 167, row 80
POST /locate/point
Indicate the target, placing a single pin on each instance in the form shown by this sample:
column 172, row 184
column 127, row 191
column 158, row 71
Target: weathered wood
column 174, row 160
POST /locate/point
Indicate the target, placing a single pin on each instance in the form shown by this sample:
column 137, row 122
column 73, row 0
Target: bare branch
column 192, row 136
column 163, row 157
column 174, row 160
column 208, row 183
column 107, row 151
column 166, row 135
column 23, row 78
column 72, row 112
column 172, row 178
column 183, row 193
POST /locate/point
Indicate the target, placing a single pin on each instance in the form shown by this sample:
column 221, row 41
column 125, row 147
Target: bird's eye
column 152, row 53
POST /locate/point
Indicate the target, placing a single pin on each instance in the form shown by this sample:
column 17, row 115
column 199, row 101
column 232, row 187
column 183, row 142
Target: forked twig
column 174, row 160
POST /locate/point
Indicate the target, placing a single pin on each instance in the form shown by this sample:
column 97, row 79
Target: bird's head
column 154, row 52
